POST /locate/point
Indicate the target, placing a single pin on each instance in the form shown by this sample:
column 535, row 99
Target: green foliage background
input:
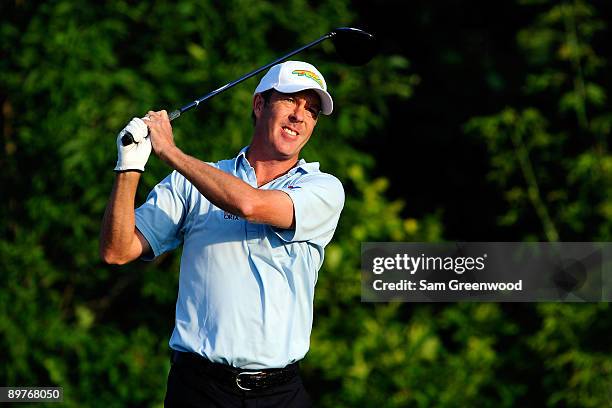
column 72, row 74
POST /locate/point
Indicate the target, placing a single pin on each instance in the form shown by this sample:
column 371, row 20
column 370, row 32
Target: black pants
column 189, row 387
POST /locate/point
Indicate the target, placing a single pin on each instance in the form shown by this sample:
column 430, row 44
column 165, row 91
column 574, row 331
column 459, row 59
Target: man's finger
column 138, row 129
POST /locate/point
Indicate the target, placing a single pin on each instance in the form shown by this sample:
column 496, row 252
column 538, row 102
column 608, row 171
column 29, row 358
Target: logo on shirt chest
column 229, row 216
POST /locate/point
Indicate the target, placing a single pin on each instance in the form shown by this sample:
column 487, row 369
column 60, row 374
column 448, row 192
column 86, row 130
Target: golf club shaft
column 128, row 139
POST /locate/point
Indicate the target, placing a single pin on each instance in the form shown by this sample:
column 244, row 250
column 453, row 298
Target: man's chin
column 288, row 150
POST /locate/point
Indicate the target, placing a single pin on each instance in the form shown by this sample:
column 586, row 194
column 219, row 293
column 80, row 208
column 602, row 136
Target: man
column 253, row 230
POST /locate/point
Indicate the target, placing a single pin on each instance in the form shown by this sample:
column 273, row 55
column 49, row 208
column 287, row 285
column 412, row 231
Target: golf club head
column 355, row 46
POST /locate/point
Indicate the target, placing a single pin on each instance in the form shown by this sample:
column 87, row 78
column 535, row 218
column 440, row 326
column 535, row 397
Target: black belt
column 237, row 379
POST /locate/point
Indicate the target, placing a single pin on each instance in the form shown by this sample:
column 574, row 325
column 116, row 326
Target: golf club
column 355, row 46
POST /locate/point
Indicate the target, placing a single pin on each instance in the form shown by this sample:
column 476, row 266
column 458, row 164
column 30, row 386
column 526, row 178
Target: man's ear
column 258, row 105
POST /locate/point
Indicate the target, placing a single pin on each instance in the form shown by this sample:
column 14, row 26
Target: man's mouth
column 290, row 131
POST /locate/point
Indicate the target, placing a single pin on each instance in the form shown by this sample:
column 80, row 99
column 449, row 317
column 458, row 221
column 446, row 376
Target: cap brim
column 327, row 104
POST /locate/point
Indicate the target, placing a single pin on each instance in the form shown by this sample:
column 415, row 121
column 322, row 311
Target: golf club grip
column 128, row 139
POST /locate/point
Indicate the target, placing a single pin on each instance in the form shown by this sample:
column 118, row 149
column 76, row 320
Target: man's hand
column 133, row 156
column 160, row 132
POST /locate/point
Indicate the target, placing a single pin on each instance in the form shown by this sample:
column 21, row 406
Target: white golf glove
column 135, row 155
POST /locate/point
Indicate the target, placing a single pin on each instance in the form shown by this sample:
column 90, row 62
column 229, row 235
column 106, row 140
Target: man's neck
column 267, row 168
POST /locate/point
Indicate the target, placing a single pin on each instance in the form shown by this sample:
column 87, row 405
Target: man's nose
column 298, row 112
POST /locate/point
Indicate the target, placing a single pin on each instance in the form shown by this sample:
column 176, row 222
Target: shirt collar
column 302, row 164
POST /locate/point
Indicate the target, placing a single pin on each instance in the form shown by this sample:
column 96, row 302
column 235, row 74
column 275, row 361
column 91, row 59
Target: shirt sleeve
column 161, row 217
column 318, row 200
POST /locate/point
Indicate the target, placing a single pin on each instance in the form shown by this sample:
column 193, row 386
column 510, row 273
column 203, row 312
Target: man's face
column 286, row 122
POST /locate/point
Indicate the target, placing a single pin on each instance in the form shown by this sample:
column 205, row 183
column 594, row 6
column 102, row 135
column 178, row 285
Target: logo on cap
column 308, row 74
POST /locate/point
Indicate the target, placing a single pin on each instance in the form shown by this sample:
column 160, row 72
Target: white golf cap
column 296, row 76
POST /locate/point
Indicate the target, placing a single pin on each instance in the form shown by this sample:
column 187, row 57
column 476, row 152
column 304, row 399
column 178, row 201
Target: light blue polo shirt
column 245, row 290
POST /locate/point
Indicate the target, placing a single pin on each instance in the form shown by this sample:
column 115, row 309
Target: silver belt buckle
column 246, row 373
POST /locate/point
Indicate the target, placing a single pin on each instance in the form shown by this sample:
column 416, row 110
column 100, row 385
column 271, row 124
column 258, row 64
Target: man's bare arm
column 120, row 241
column 227, row 192
column 271, row 207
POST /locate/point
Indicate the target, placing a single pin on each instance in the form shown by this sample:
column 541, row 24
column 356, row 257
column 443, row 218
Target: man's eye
column 289, row 99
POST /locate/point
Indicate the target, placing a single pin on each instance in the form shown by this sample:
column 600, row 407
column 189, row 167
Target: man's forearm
column 264, row 206
column 118, row 226
column 223, row 190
